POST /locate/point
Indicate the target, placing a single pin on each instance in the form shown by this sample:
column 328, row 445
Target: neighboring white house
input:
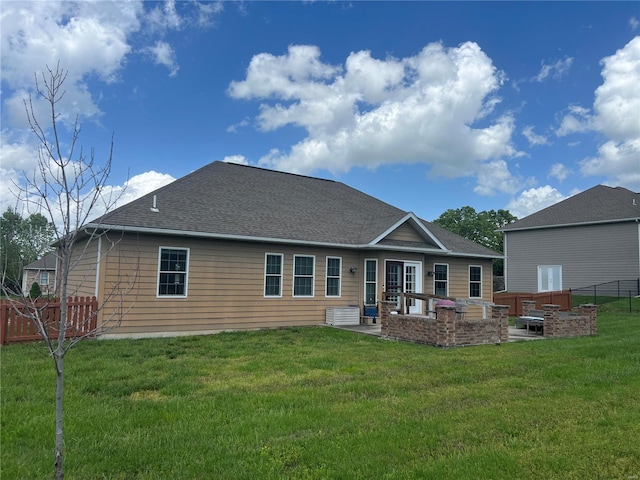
column 590, row 238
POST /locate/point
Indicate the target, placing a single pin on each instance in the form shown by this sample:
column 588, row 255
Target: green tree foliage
column 480, row 227
column 22, row 241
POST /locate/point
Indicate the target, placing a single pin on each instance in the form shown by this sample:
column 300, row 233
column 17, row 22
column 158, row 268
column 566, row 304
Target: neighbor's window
column 172, row 272
column 303, row 267
column 475, row 281
column 334, row 269
column 370, row 281
column 441, row 279
column 44, row 278
column 273, row 275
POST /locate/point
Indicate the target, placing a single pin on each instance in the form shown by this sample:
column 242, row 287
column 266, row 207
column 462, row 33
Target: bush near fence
column 514, row 300
column 16, row 326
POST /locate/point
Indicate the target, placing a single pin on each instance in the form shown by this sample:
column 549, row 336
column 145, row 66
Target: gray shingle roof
column 599, row 204
column 233, row 200
column 48, row 262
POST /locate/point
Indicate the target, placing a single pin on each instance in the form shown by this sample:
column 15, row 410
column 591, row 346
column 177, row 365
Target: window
column 44, row 278
column 273, row 275
column 371, row 282
column 334, row 272
column 172, row 272
column 303, row 267
column 549, row 278
column 475, row 281
column 441, row 279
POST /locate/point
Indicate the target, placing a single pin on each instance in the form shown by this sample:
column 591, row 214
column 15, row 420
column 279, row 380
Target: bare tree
column 68, row 187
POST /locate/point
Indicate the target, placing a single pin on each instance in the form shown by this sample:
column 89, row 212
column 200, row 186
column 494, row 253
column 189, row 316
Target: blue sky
column 425, row 105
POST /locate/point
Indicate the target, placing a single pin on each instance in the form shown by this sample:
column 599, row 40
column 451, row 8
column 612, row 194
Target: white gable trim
column 415, row 221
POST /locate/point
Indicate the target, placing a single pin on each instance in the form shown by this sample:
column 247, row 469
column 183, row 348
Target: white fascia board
column 416, row 221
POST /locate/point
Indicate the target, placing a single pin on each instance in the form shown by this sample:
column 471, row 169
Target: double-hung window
column 475, row 281
column 334, row 269
column 370, row 281
column 273, row 275
column 44, row 278
column 441, row 279
column 303, row 275
column 173, row 269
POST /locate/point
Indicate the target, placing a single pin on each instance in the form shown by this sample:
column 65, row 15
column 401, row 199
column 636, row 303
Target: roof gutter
column 246, row 238
column 619, row 220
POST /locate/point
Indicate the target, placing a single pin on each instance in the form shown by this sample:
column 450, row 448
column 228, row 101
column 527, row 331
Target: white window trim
column 326, row 277
column 264, row 287
column 375, row 282
column 473, row 281
column 446, row 281
column 313, row 277
column 186, row 272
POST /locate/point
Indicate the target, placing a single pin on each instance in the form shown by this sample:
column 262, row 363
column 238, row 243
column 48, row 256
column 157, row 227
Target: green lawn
column 610, row 304
column 323, row 403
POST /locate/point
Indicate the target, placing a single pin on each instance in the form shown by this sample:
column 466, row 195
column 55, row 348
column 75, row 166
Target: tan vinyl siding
column 588, row 255
column 459, row 278
column 405, row 233
column 83, row 268
column 225, row 284
column 226, row 287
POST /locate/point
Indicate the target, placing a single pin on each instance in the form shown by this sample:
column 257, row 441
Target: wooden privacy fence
column 16, row 326
column 514, row 300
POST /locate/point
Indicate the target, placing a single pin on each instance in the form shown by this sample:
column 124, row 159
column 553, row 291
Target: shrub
column 35, row 290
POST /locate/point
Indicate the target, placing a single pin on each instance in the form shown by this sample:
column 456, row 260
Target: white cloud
column 163, row 54
column 617, row 101
column 619, row 162
column 533, row 200
column 615, row 114
column 135, row 187
column 634, row 23
column 88, row 38
column 369, row 112
column 494, row 177
column 533, row 138
column 577, row 120
column 555, row 70
column 559, row 171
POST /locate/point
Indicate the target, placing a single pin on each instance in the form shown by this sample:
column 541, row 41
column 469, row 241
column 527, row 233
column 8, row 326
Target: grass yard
column 317, row 402
column 610, row 304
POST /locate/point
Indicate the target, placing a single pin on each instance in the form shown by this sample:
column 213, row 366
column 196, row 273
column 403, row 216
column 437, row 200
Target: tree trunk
column 59, row 354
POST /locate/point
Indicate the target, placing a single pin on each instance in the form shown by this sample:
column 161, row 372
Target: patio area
column 515, row 334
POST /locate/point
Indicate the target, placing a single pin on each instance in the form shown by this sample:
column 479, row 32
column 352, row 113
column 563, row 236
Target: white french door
column 413, row 284
column 405, row 277
column 549, row 278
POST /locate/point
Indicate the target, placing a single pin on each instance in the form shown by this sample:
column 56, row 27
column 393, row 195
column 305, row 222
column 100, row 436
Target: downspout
column 504, row 248
column 99, row 259
column 638, row 223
